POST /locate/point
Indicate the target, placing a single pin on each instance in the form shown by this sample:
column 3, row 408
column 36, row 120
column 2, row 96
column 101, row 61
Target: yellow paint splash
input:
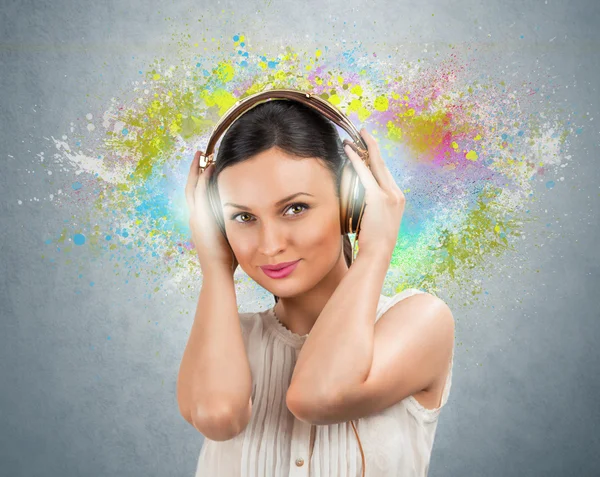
column 471, row 155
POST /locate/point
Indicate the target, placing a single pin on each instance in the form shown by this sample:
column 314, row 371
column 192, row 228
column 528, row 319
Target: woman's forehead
column 271, row 177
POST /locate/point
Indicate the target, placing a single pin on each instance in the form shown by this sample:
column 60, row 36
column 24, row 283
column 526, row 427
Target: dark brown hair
column 292, row 127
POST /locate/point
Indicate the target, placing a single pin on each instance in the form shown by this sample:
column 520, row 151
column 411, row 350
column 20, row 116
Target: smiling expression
column 281, row 208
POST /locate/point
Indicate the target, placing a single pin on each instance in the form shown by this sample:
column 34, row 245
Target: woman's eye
column 304, row 206
column 241, row 215
column 292, row 207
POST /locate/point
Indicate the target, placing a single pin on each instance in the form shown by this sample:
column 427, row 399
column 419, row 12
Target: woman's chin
column 283, row 288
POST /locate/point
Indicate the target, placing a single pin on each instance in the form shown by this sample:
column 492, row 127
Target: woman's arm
column 338, row 352
column 214, row 385
column 352, row 366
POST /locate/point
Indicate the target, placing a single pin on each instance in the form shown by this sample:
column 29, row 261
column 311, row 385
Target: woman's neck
column 300, row 312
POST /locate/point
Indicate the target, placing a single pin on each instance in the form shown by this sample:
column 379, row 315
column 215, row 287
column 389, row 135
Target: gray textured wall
column 524, row 400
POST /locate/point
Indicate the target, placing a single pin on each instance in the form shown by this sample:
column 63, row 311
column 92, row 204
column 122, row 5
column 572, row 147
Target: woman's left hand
column 380, row 223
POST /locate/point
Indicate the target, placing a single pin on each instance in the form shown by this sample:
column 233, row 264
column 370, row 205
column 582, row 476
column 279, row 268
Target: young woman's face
column 264, row 230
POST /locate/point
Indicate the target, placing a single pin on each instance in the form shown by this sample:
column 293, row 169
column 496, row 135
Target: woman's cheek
column 243, row 250
column 322, row 239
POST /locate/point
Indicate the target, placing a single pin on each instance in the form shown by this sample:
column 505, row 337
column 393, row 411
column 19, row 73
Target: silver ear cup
column 215, row 206
column 359, row 204
column 345, row 193
column 352, row 194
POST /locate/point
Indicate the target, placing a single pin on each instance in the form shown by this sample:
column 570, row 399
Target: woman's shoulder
column 386, row 302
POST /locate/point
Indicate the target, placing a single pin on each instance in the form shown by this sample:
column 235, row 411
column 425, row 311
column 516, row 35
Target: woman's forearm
column 338, row 352
column 215, row 383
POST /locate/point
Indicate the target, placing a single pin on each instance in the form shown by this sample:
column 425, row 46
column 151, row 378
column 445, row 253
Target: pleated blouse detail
column 396, row 441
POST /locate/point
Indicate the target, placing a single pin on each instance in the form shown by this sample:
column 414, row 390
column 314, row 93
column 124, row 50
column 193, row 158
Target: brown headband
column 324, row 107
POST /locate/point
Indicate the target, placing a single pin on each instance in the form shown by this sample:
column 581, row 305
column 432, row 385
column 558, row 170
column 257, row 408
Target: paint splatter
column 466, row 148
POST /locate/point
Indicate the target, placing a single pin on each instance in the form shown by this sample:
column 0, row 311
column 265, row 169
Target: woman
column 275, row 392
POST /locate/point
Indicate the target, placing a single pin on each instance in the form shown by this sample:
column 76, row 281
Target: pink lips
column 281, row 273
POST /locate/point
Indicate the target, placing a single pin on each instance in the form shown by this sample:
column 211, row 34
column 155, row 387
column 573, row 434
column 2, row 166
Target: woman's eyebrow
column 277, row 204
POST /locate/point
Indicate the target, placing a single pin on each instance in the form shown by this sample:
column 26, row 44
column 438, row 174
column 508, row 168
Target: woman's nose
column 272, row 239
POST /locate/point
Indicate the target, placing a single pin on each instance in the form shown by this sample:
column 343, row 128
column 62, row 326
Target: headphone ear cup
column 352, row 197
column 359, row 204
column 345, row 195
column 215, row 206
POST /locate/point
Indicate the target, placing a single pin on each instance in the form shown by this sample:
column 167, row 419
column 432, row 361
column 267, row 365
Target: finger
column 196, row 184
column 192, row 180
column 202, row 182
column 377, row 164
column 364, row 174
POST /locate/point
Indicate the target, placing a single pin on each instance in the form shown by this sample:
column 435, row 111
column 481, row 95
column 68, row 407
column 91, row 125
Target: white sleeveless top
column 396, row 441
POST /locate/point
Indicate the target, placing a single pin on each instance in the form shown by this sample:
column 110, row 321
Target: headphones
column 352, row 191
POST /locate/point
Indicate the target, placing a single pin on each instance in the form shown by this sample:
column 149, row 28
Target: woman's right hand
column 211, row 246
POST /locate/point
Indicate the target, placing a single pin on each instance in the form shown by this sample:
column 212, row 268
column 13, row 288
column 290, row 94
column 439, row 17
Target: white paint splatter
column 115, row 173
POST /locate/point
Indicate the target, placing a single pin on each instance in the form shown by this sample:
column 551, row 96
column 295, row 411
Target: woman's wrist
column 375, row 258
column 219, row 269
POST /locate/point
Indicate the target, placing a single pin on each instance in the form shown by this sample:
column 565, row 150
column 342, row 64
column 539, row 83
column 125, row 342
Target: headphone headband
column 324, row 107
